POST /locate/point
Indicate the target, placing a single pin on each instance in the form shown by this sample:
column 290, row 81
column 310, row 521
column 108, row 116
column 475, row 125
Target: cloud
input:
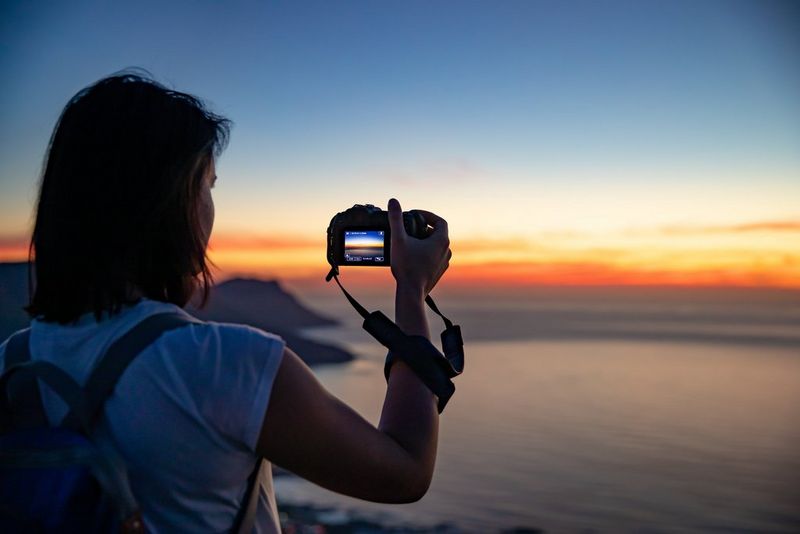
column 14, row 241
column 253, row 242
column 493, row 245
column 596, row 273
column 227, row 241
column 448, row 171
column 13, row 247
column 759, row 226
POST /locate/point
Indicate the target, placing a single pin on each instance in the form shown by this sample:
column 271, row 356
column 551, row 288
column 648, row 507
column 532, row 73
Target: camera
column 361, row 235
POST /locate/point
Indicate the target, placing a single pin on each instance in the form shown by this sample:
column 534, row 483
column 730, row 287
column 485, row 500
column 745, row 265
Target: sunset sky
column 590, row 142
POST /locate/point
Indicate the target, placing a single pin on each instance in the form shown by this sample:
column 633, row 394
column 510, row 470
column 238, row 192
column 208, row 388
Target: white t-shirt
column 185, row 415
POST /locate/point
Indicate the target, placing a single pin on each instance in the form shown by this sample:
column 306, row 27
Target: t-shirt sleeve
column 233, row 377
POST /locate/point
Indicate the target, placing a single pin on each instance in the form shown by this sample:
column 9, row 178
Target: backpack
column 70, row 478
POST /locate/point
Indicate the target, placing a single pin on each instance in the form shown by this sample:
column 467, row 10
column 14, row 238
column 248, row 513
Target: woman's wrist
column 410, row 292
column 410, row 310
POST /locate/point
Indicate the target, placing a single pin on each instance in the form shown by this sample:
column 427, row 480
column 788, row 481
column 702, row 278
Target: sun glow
column 753, row 254
column 750, row 254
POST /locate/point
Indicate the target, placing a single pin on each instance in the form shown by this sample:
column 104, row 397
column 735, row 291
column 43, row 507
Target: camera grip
column 415, row 224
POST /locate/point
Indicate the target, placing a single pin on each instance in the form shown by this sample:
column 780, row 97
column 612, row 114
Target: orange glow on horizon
column 755, row 254
column 746, row 255
column 13, row 248
column 499, row 275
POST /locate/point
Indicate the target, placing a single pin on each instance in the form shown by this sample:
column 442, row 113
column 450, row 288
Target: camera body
column 361, row 236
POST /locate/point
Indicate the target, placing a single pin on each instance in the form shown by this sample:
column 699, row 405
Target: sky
column 576, row 142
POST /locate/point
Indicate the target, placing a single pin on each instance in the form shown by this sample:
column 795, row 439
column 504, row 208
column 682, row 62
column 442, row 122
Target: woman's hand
column 315, row 435
column 418, row 264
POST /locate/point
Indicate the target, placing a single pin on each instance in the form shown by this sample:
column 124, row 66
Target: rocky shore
column 307, row 519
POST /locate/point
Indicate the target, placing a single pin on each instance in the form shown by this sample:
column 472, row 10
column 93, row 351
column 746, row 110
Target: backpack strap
column 29, row 411
column 59, row 381
column 105, row 463
column 104, row 378
column 18, row 348
column 116, row 359
column 108, row 371
column 246, row 518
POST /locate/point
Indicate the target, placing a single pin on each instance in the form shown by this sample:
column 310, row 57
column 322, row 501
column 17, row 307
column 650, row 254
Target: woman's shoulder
column 91, row 338
column 199, row 327
column 221, row 337
column 225, row 372
column 228, row 333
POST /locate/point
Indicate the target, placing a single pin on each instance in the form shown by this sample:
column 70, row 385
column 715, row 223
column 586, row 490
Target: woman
column 123, row 218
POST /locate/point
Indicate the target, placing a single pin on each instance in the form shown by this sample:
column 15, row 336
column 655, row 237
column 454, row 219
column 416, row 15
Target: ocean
column 597, row 410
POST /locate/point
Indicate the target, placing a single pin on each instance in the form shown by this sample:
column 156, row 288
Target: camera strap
column 434, row 368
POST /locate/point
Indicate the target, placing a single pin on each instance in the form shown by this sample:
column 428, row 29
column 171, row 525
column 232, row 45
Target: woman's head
column 124, row 207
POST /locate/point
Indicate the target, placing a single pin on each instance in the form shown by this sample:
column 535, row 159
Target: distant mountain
column 266, row 305
column 262, row 304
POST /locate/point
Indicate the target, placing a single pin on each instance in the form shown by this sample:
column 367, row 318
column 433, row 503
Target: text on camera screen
column 364, row 245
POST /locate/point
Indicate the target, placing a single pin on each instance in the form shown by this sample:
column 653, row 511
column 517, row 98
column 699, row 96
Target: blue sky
column 585, row 111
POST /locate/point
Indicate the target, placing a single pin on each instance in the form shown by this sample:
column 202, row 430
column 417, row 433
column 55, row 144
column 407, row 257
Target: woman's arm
column 315, row 435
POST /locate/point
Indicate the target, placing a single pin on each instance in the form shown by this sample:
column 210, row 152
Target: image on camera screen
column 363, row 245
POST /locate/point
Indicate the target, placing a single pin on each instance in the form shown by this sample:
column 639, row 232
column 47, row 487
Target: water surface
column 610, row 433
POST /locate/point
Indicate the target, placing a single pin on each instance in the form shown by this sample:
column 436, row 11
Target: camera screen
column 364, row 246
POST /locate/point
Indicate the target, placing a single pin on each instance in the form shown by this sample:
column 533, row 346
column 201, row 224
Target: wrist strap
column 431, row 366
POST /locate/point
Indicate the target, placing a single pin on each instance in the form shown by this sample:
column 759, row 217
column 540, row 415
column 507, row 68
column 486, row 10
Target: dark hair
column 117, row 206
